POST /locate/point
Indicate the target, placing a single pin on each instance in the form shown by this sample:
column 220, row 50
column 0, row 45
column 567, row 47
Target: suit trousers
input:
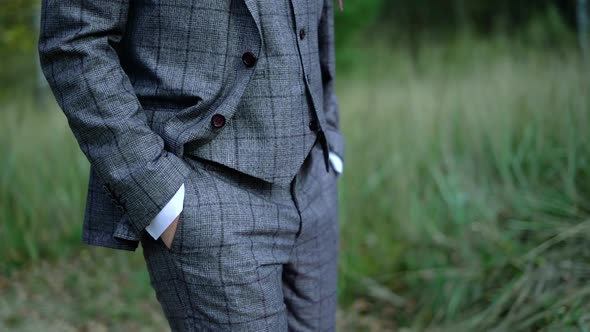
column 249, row 255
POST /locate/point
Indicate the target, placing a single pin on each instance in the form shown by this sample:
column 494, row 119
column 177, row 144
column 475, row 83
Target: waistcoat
column 274, row 126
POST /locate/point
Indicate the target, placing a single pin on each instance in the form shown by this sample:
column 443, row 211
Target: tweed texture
column 249, row 255
column 139, row 81
column 269, row 136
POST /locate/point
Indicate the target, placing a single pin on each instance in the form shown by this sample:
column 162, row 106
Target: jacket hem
column 108, row 241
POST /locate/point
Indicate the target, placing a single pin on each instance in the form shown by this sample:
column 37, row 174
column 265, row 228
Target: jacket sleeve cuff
column 151, row 188
column 167, row 215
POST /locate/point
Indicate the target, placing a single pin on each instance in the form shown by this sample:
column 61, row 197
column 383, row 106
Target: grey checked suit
column 234, row 98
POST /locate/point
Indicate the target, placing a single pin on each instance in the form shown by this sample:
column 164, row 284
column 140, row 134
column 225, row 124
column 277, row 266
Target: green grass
column 43, row 178
column 466, row 193
column 97, row 290
column 465, row 199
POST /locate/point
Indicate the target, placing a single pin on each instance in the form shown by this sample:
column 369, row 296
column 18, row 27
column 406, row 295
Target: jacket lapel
column 253, row 8
column 298, row 11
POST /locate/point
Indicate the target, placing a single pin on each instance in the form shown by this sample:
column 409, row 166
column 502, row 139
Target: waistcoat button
column 218, row 120
column 302, row 34
column 249, row 59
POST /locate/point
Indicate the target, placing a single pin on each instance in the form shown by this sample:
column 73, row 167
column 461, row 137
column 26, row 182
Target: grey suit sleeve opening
column 79, row 61
column 327, row 54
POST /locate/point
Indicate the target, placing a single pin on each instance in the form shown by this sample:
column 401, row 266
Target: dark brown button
column 249, row 59
column 218, row 120
column 313, row 125
column 302, row 34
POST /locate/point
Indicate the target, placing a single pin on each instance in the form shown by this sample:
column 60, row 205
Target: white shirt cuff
column 167, row 215
column 336, row 162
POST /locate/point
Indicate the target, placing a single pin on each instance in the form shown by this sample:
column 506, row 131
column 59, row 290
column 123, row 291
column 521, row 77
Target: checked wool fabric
column 270, row 134
column 249, row 255
column 233, row 98
column 143, row 84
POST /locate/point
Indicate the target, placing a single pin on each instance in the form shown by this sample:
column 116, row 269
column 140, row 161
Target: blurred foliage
column 17, row 25
column 410, row 19
column 465, row 197
column 465, row 200
column 414, row 23
column 18, row 38
column 484, row 16
column 541, row 22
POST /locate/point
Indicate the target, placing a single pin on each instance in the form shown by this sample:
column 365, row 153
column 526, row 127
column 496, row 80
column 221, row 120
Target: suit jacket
column 145, row 82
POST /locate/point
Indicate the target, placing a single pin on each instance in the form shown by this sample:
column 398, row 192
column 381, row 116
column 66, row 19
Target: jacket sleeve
column 327, row 55
column 77, row 51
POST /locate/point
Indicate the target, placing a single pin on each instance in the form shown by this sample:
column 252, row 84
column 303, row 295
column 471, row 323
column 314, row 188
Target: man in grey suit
column 212, row 132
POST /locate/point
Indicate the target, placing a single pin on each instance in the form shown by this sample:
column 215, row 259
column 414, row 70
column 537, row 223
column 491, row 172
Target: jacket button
column 218, row 120
column 313, row 125
column 249, row 59
column 302, row 34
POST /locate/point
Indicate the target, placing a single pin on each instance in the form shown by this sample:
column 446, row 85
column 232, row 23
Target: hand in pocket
column 170, row 232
